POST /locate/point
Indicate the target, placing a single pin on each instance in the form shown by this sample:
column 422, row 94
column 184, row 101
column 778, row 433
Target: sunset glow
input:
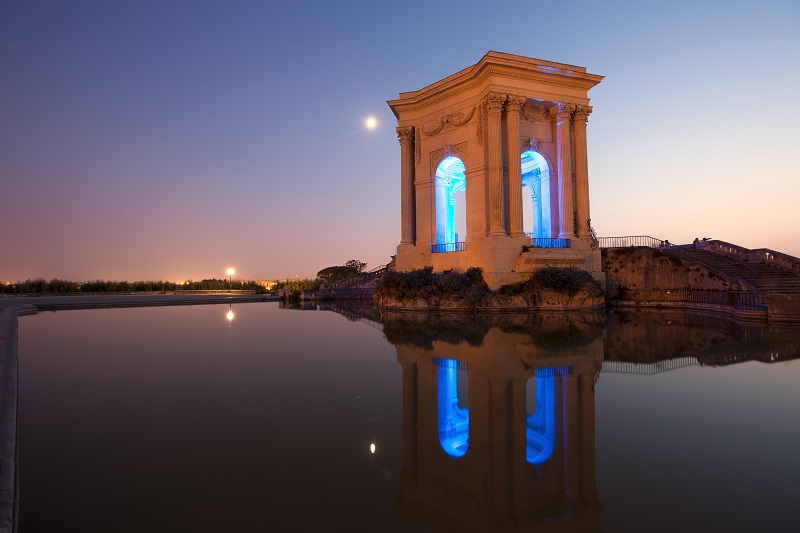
column 138, row 140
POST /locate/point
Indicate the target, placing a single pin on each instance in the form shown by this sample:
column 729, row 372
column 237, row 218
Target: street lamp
column 230, row 275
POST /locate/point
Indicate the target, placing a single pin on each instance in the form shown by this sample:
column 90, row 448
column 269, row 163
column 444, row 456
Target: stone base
column 502, row 260
column 580, row 256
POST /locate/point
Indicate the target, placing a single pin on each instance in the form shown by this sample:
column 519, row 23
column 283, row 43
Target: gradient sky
column 170, row 140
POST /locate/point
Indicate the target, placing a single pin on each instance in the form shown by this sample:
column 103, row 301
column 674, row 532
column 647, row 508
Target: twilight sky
column 170, row 140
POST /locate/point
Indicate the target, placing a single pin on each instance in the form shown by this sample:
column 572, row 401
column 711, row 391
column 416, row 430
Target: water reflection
column 653, row 342
column 476, row 459
column 130, row 418
column 491, row 464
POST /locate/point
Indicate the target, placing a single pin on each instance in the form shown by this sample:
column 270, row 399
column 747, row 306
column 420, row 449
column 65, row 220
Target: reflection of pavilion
column 482, row 451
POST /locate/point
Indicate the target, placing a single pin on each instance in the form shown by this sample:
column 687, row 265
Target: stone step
column 765, row 277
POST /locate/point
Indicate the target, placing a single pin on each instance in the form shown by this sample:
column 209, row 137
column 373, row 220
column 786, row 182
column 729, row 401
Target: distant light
column 371, row 123
column 230, row 271
column 372, row 447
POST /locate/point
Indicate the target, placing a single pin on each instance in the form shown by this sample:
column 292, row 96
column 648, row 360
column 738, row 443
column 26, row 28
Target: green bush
column 554, row 279
column 423, row 283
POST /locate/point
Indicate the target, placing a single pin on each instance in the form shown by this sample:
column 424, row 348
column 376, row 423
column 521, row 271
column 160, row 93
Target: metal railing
column 648, row 369
column 633, row 240
column 745, row 301
column 545, row 242
column 448, row 247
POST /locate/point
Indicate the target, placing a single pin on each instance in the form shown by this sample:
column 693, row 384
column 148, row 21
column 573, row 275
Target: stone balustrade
column 760, row 255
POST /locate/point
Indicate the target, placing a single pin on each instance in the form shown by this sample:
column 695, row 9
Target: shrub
column 554, row 279
column 423, row 283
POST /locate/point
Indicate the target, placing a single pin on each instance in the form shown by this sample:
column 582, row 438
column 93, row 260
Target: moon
column 371, row 123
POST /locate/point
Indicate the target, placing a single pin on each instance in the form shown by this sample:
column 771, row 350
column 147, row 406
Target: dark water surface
column 178, row 419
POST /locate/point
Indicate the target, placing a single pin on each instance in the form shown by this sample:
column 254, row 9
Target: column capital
column 514, row 104
column 405, row 134
column 562, row 112
column 494, row 101
column 582, row 113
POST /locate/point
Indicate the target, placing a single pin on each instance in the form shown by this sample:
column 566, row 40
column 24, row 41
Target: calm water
column 179, row 419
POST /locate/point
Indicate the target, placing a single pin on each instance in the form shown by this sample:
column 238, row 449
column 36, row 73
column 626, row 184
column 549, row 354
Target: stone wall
column 646, row 268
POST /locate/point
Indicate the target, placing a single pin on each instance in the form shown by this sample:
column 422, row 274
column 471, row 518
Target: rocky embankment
column 548, row 289
column 649, row 269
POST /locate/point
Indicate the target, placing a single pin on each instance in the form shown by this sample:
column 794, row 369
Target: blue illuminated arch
column 540, row 427
column 450, row 186
column 536, row 211
column 453, row 421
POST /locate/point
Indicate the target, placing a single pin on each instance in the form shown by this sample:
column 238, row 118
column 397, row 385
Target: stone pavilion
column 493, row 170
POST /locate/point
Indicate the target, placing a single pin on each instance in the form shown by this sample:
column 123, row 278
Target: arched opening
column 536, row 217
column 540, row 424
column 451, row 209
column 452, row 413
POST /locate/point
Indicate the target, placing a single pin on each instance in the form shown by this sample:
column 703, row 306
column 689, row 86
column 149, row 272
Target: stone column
column 587, row 429
column 410, row 440
column 513, row 109
column 566, row 207
column 571, row 440
column 497, row 216
column 581, row 169
column 408, row 233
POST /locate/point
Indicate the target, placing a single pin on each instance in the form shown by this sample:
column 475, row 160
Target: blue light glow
column 453, row 421
column 450, row 187
column 536, row 200
column 540, row 430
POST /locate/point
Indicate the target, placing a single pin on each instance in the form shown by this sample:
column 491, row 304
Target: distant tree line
column 330, row 274
column 297, row 285
column 59, row 286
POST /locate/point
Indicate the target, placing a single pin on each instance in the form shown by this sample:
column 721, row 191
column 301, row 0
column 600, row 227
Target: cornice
column 497, row 65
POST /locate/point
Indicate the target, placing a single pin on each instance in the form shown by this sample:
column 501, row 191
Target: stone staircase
column 360, row 287
column 764, row 276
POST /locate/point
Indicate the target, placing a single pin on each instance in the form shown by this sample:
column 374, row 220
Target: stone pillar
column 410, row 439
column 518, row 466
column 497, row 216
column 566, row 207
column 571, row 440
column 587, row 428
column 513, row 109
column 581, row 169
column 499, row 447
column 408, row 231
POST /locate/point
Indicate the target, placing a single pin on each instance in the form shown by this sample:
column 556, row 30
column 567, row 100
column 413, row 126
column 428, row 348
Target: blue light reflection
column 453, row 421
column 540, row 430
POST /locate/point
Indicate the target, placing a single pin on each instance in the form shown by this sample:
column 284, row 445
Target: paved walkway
column 10, row 308
column 8, row 420
column 97, row 301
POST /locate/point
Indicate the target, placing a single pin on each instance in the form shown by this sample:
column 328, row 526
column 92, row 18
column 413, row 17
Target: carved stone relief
column 534, row 145
column 450, row 150
column 535, row 113
column 455, row 120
